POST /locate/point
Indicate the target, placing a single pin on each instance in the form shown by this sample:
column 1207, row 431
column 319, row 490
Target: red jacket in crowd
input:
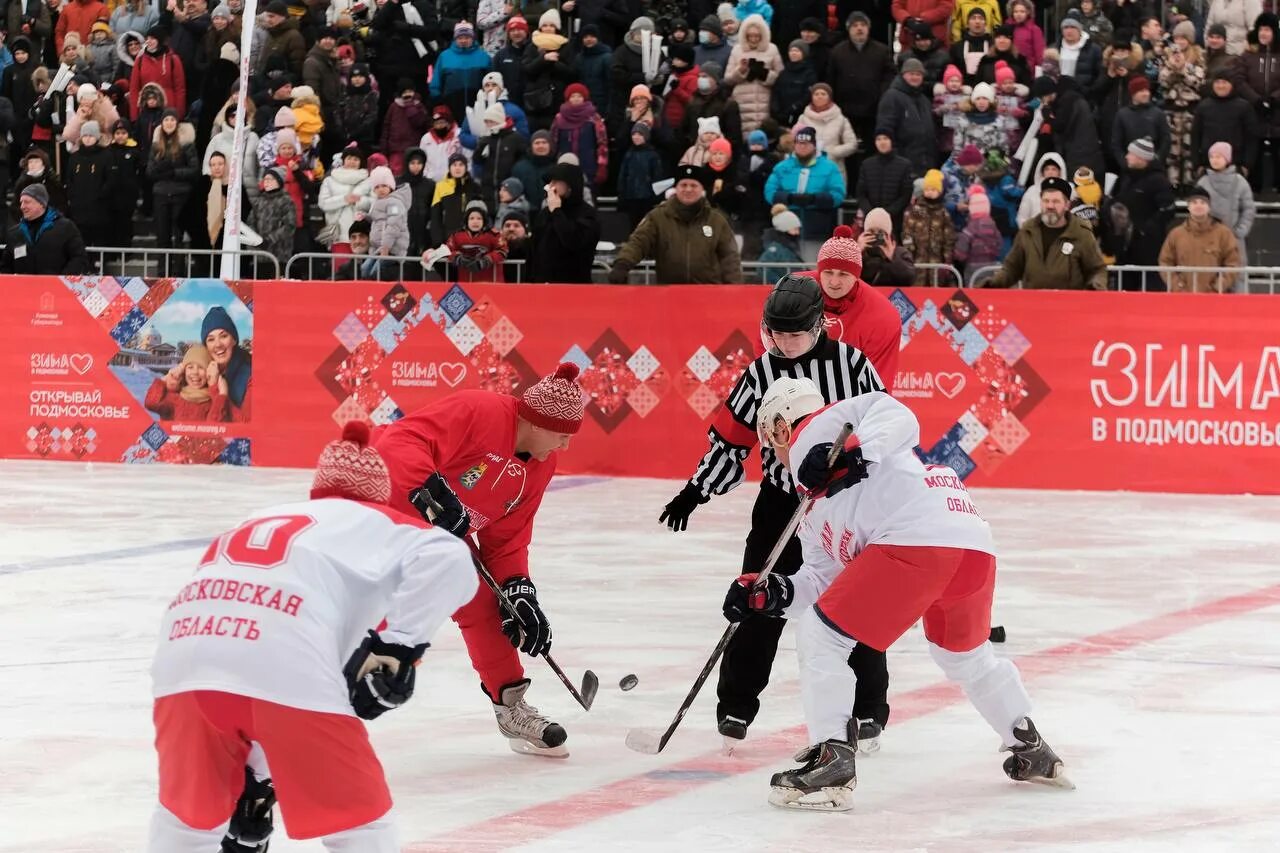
column 165, row 70
column 78, row 17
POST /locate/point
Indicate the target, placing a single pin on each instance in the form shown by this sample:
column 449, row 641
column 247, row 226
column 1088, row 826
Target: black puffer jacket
column 908, row 112
column 1136, row 121
column 860, row 76
column 1229, row 120
column 564, row 240
column 884, row 180
column 1075, row 136
column 1259, row 72
column 51, row 245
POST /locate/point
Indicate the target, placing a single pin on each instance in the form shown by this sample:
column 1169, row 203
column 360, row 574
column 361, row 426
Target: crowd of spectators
column 478, row 133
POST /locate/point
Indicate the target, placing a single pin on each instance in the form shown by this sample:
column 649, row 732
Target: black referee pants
column 748, row 659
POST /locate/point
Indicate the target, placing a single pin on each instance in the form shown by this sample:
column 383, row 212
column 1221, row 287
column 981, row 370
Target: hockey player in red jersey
column 887, row 540
column 487, row 458
column 854, row 311
column 252, row 651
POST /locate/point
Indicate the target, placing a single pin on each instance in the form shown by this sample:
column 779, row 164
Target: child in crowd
column 927, row 230
column 1011, row 102
column 641, row 169
column 982, row 125
column 1086, row 198
column 306, row 111
column 1230, row 200
column 511, row 198
column 699, row 152
column 341, row 194
column 781, row 244
column 388, row 214
column 421, row 190
column 441, row 142
column 1002, row 191
column 980, row 243
column 478, row 251
column 192, row 390
column 579, row 129
column 358, row 107
column 960, row 173
column 274, row 216
column 949, row 98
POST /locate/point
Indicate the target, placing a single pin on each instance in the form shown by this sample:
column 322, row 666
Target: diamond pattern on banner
column 236, row 452
column 370, row 313
column 109, row 287
column 929, row 315
column 643, row 400
column 959, row 309
column 327, row 372
column 969, row 344
column 384, row 412
column 957, row 460
column 504, row 336
column 349, row 411
column 154, row 436
column 989, row 322
column 94, row 302
column 369, row 395
column 129, row 326
column 351, row 332
column 81, row 287
column 702, row 364
column 115, row 312
column 1009, row 433
column 703, row 401
column 389, row 333
column 157, row 295
column 485, row 313
column 1034, row 390
column 974, row 432
column 906, row 308
column 465, row 335
column 608, row 382
column 456, row 303
column 1011, row 344
column 576, row 355
column 398, row 301
column 642, row 363
column 138, row 453
column 136, row 288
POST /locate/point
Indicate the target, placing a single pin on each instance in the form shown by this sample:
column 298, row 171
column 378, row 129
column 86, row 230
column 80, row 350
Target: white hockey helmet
column 787, row 400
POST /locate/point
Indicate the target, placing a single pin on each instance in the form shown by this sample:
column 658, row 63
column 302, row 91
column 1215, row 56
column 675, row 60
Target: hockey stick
column 590, row 683
column 649, row 741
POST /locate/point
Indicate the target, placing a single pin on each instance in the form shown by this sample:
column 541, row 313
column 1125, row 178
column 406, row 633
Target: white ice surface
column 1171, row 738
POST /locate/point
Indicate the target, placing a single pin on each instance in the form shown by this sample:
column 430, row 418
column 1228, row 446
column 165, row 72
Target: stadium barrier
column 1020, row 388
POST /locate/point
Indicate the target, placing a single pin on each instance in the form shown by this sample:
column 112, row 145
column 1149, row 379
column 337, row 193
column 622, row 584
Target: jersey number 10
column 262, row 543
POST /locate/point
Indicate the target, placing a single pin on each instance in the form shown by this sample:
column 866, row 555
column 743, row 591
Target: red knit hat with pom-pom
column 350, row 468
column 555, row 402
column 841, row 252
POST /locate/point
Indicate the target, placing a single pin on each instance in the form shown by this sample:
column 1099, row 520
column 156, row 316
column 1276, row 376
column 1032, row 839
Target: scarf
column 215, row 208
column 237, row 374
column 413, row 18
column 574, row 116
column 839, row 306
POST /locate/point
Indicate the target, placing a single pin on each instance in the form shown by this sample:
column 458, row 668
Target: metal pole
column 231, row 224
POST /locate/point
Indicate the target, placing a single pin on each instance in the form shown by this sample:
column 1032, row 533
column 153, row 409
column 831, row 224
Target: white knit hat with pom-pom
column 350, row 468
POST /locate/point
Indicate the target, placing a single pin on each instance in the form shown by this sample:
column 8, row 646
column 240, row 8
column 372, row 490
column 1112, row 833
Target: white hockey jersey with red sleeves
column 901, row 502
column 277, row 605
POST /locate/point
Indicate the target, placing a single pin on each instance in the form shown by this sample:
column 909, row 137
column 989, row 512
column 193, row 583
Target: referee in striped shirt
column 797, row 346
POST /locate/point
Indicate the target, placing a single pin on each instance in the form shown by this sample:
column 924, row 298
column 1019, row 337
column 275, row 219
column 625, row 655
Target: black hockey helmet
column 795, row 305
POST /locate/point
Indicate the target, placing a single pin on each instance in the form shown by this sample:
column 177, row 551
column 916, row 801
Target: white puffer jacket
column 835, row 134
column 753, row 95
column 338, row 213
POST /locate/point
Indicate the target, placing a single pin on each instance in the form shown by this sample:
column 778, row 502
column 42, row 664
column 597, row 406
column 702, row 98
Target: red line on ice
column 534, row 823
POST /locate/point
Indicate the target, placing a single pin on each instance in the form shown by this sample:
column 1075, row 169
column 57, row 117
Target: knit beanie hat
column 222, row 10
column 382, row 177
column 217, row 319
column 878, row 219
column 350, row 468
column 494, row 77
column 515, row 186
column 640, row 90
column 933, row 180
column 287, row 136
column 710, row 124
column 952, row 71
column 841, row 252
column 983, row 90
column 554, row 402
column 86, row 92
column 540, row 134
column 285, row 118
column 1222, row 149
column 643, row 129
column 806, row 134
column 1070, row 22
column 377, row 159
column 758, row 137
column 969, row 156
column 37, row 192
column 1144, row 149
column 495, row 113
column 551, row 16
column 1004, row 72
column 576, row 89
column 1185, row 29
column 464, row 28
column 979, row 203
column 1087, row 188
column 517, row 22
column 714, row 70
column 90, row 128
column 784, row 219
column 800, row 45
column 1138, row 84
column 721, row 146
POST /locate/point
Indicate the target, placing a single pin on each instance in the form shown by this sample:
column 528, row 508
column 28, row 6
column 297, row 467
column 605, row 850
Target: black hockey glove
column 251, row 825
column 529, row 631
column 452, row 516
column 773, row 597
column 372, row 686
column 675, row 514
column 819, row 479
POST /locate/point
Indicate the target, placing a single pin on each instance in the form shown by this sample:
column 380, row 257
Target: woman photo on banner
column 231, row 361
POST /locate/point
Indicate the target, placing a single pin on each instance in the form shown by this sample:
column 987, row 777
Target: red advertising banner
column 1165, row 392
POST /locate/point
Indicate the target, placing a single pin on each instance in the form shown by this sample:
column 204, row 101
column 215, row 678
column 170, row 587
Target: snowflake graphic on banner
column 989, row 429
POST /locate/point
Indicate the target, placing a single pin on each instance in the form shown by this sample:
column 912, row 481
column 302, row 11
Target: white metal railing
column 179, row 263
column 323, row 266
column 1141, row 278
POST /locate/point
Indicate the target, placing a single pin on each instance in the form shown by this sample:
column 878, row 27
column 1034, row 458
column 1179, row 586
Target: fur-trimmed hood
column 152, row 87
column 186, row 134
column 1133, row 63
column 121, row 51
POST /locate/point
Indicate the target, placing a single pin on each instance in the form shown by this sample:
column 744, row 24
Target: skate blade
column 869, row 745
column 730, row 746
column 838, row 799
column 524, row 747
column 1057, row 780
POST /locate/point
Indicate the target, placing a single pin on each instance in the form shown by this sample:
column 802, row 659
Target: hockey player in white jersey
column 264, row 646
column 887, row 540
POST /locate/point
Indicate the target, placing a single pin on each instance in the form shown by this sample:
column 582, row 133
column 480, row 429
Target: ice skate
column 251, row 823
column 869, row 732
column 527, row 731
column 1034, row 761
column 734, row 731
column 825, row 781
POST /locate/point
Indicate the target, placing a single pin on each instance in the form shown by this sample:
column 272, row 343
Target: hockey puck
column 997, row 634
column 628, row 682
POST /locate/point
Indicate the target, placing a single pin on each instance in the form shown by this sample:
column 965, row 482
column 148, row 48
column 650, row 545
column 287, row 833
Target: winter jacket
column 104, row 113
column 1082, row 62
column 881, row 271
column 396, row 40
column 174, row 176
column 88, row 180
column 928, row 233
column 593, row 72
column 53, row 247
column 689, row 244
column 835, row 135
column 884, row 180
column 753, row 85
column 987, row 130
column 338, row 212
column 102, row 61
column 1181, row 89
column 1149, row 198
column 1238, row 17
column 908, row 112
column 564, row 240
column 1200, row 244
column 720, row 104
column 286, row 41
column 421, row 190
column 223, row 142
column 1028, row 40
column 779, row 248
column 274, row 218
column 1259, row 74
column 545, row 82
column 717, row 53
column 402, row 127
column 472, row 245
column 1022, row 70
column 1231, row 200
column 587, row 139
column 1134, row 122
column 77, row 16
column 1072, row 262
column 1075, row 136
column 497, row 155
column 681, row 94
column 813, row 191
column 978, row 245
column 532, row 172
column 124, row 19
column 935, row 13
column 458, row 74
column 439, row 150
column 860, row 76
column 126, row 172
column 967, row 55
column 35, row 14
column 641, row 169
column 960, row 19
column 1229, row 120
column 172, row 406
column 491, row 23
column 613, row 17
column 1029, row 207
column 320, row 72
column 310, row 122
column 1005, row 195
column 389, row 221
column 447, row 206
column 935, row 62
column 509, row 62
column 1097, row 27
column 165, row 70
column 790, row 93
column 358, row 114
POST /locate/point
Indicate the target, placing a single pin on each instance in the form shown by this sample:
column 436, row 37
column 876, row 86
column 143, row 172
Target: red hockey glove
column 743, row 599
